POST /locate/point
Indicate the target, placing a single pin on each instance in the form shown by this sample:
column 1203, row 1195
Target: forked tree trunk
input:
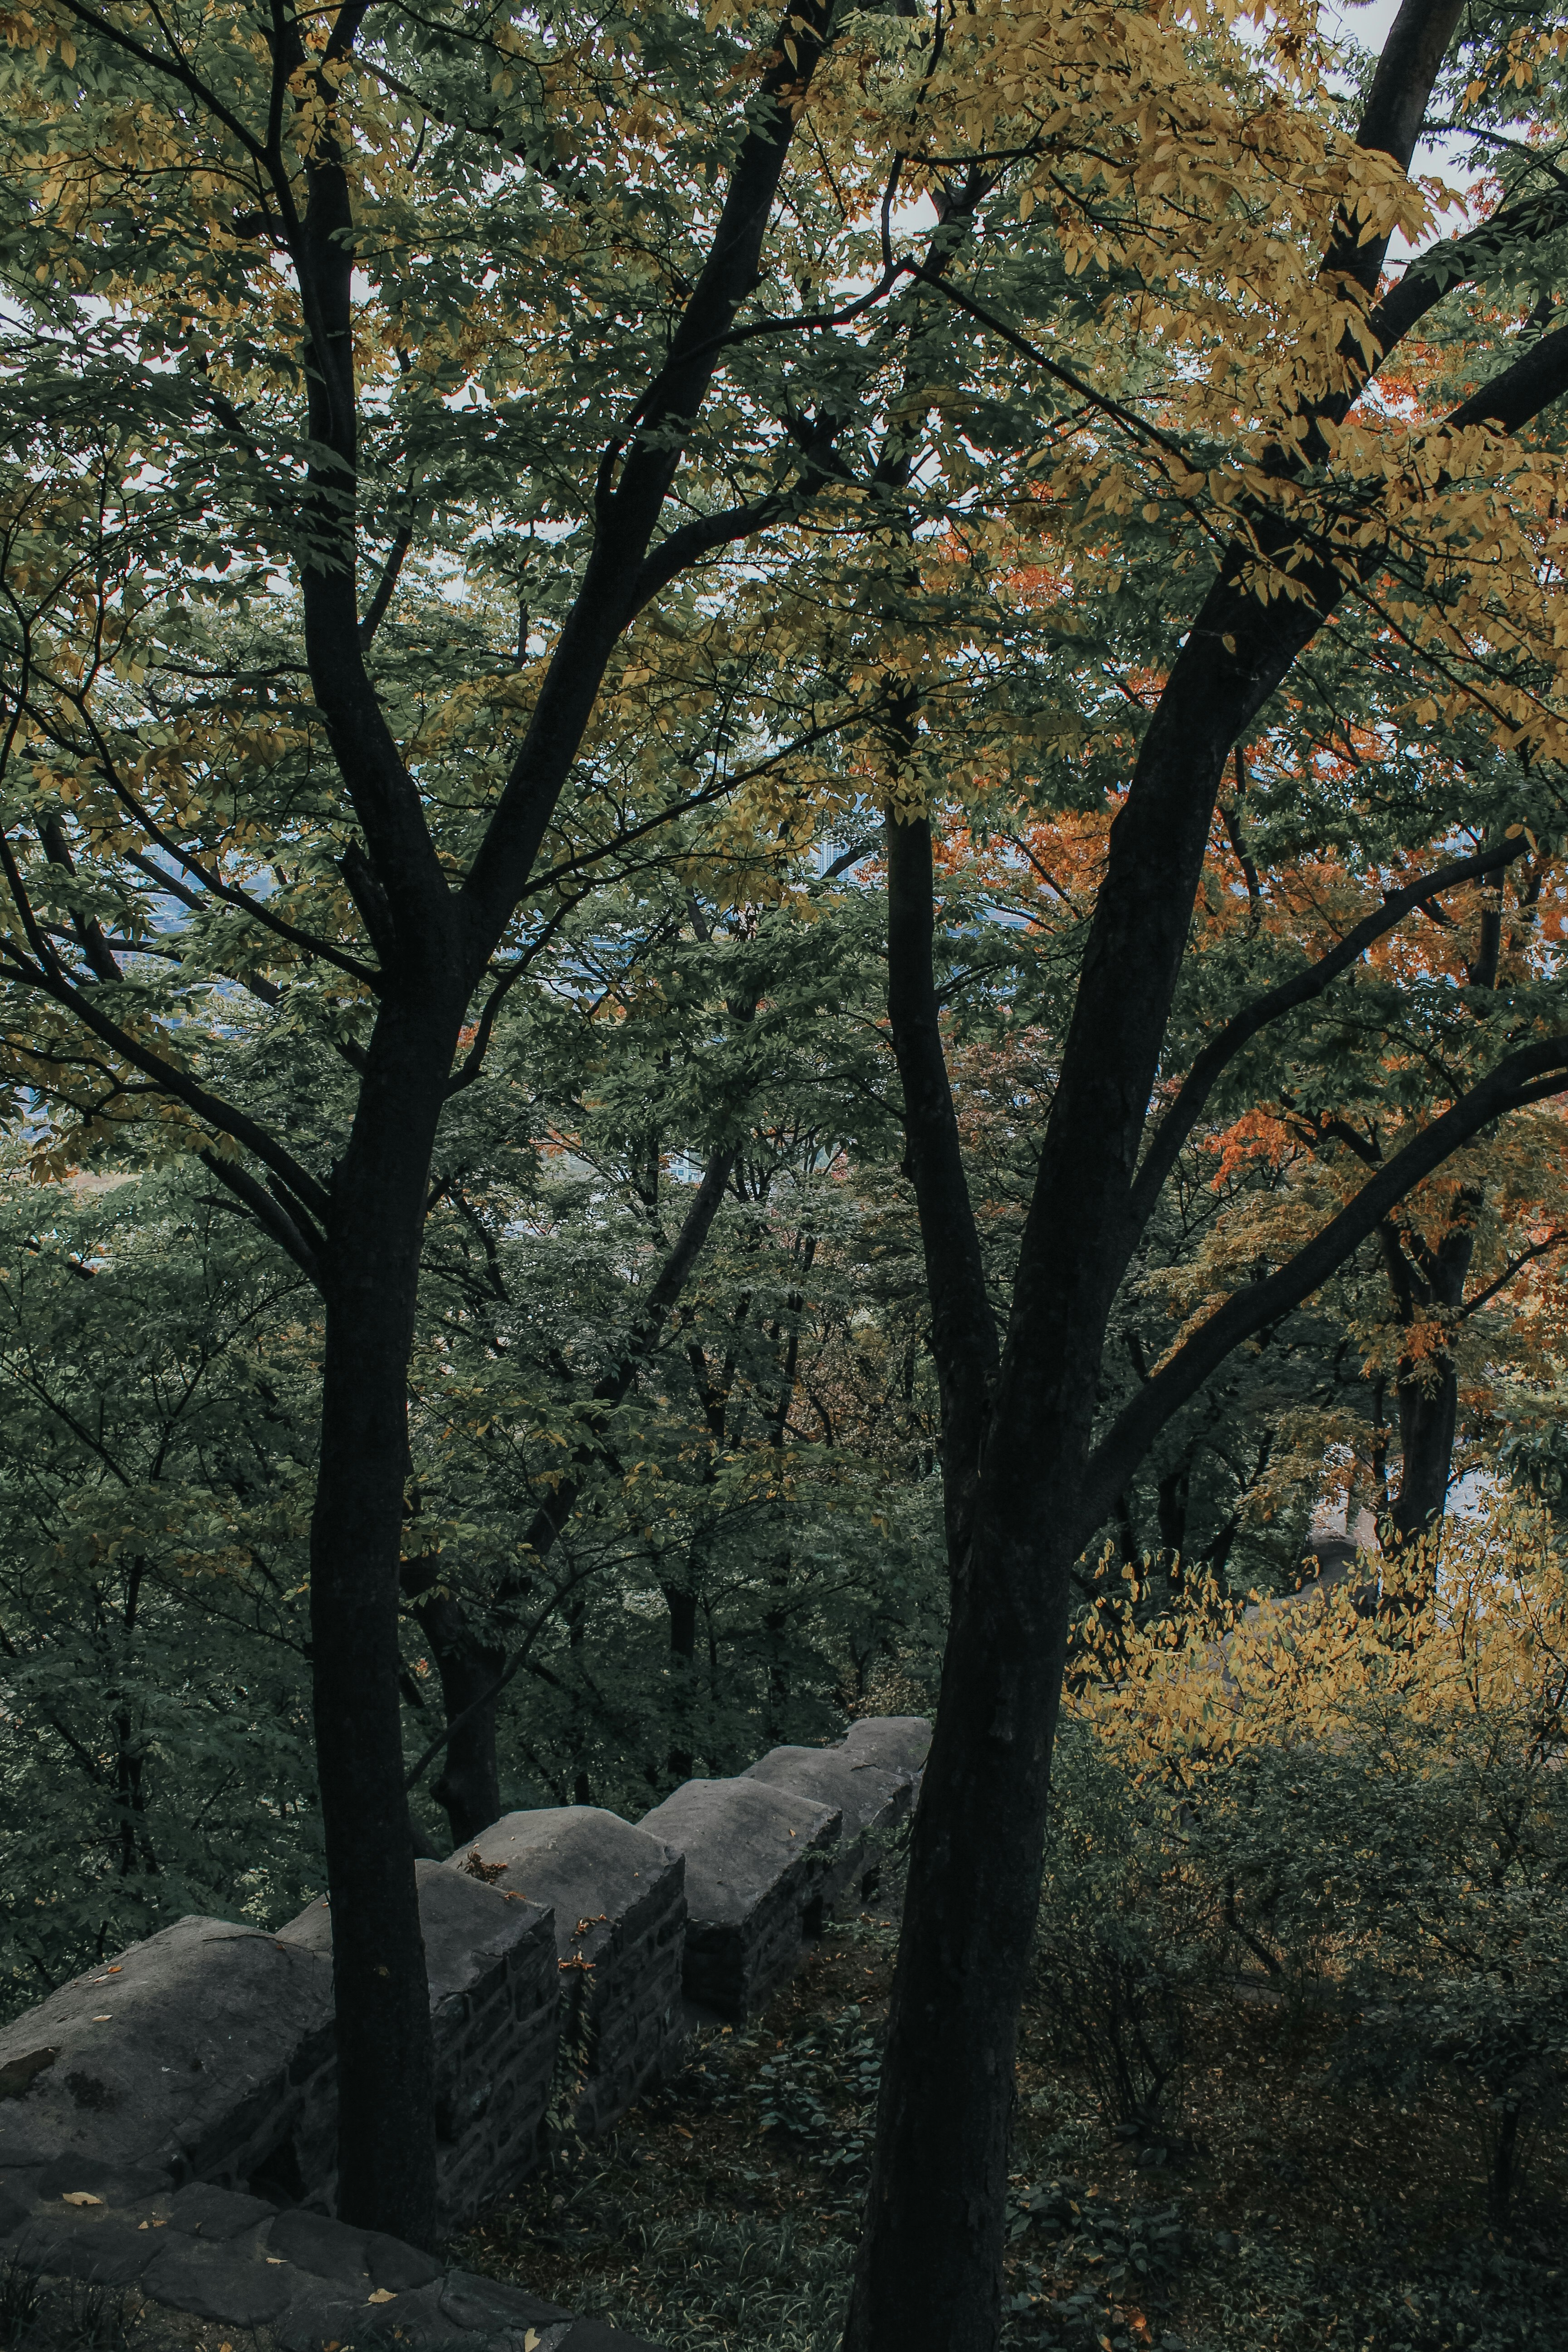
column 1022, row 1496
column 434, row 947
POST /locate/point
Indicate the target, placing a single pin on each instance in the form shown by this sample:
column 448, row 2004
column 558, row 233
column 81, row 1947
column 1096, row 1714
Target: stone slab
column 495, row 2003
column 99, row 2247
column 327, row 2249
column 755, row 1860
column 872, row 1798
column 14, row 2210
column 618, row 1897
column 201, row 2210
column 901, row 1743
column 231, row 2283
column 489, row 2306
column 177, row 2061
column 318, row 2315
column 396, row 2266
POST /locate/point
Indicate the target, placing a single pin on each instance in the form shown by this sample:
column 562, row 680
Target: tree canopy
column 527, row 535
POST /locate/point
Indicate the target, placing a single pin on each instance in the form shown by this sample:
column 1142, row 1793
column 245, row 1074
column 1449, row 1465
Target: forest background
column 675, row 1398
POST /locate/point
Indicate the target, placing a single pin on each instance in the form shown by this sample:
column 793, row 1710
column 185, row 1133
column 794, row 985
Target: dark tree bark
column 1026, row 1489
column 434, row 945
column 681, row 1600
column 130, row 1797
column 469, row 1786
column 1426, row 1282
column 386, row 2149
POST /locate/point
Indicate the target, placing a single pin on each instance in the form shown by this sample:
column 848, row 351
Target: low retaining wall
column 170, row 2118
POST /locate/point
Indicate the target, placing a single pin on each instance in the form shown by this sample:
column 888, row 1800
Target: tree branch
column 297, row 1236
column 375, row 611
column 964, row 1327
column 171, row 1079
column 628, row 514
column 610, row 1392
column 1530, row 1076
column 1183, row 1115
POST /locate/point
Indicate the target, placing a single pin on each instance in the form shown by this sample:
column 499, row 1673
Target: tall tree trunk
column 682, row 1602
column 386, row 2149
column 1428, row 1413
column 1021, row 1500
column 130, row 1802
column 469, row 1669
column 938, row 2183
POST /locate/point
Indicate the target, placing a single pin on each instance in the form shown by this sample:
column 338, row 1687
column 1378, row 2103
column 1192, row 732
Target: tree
column 1376, row 1801
column 156, row 1445
column 573, row 1453
column 1320, row 512
column 294, row 289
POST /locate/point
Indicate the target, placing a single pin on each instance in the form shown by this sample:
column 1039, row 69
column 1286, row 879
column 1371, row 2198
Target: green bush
column 1373, row 1806
column 1126, row 1936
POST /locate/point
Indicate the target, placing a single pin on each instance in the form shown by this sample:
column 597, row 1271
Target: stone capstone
column 755, row 1863
column 871, row 1798
column 192, row 2056
column 490, row 1958
column 899, row 1743
column 618, row 1896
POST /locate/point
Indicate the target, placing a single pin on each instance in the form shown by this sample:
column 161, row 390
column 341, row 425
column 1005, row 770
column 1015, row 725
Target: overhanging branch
column 1183, row 1113
column 1530, row 1076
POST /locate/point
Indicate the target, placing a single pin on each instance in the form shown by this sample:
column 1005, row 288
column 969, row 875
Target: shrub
column 1124, row 1938
column 1374, row 1801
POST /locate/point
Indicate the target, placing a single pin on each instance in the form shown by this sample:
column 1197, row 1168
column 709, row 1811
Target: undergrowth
column 1284, row 2217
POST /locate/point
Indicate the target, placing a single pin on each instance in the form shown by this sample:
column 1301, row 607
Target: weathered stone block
column 871, row 1798
column 899, row 1742
column 754, row 1862
column 233, row 2282
column 495, row 2009
column 619, row 1900
column 113, row 2184
column 99, row 2246
column 177, row 2060
column 203, row 2211
column 15, row 2208
column 490, row 2307
column 327, row 2249
column 395, row 2266
column 317, row 2314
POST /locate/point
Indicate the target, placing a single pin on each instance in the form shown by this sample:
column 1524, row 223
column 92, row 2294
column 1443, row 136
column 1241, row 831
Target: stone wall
column 190, row 2084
